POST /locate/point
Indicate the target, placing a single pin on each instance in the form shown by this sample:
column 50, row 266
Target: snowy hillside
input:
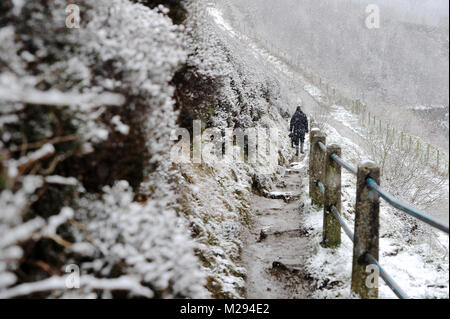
column 93, row 204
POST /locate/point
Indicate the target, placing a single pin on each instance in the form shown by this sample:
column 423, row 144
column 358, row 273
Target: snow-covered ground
column 179, row 232
column 420, row 265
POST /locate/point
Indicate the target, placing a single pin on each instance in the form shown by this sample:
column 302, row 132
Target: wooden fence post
column 394, row 134
column 402, row 136
column 331, row 227
column 366, row 231
column 316, row 166
column 313, row 131
column 387, row 133
column 418, row 148
column 438, row 154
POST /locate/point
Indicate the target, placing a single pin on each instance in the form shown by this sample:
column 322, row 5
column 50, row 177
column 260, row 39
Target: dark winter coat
column 299, row 126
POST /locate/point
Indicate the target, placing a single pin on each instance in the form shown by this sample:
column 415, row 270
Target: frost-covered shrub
column 81, row 109
column 223, row 85
column 145, row 242
column 176, row 10
column 14, row 230
column 137, row 59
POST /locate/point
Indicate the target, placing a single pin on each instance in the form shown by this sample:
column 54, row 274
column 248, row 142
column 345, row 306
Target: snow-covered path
column 417, row 267
column 299, row 88
column 275, row 247
column 288, row 76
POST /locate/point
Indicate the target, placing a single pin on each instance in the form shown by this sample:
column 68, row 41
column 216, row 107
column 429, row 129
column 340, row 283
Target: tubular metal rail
column 389, row 198
column 392, row 201
column 387, row 279
column 370, row 259
column 406, row 208
column 343, row 164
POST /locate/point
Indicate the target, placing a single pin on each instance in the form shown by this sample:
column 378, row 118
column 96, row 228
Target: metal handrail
column 343, row 164
column 321, row 187
column 322, row 146
column 392, row 201
column 341, row 221
column 406, row 208
column 387, row 279
column 389, row 198
column 337, row 159
column 390, row 282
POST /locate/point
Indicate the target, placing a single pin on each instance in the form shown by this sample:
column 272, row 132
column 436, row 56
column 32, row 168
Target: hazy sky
column 436, row 6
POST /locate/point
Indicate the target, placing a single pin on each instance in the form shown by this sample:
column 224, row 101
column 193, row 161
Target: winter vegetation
column 86, row 116
column 74, row 99
column 356, row 60
column 89, row 115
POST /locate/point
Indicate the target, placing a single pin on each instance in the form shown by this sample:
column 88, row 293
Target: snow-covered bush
column 175, row 8
column 145, row 242
column 81, row 109
column 404, row 173
column 222, row 87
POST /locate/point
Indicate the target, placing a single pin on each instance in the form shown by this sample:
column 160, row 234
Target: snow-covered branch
column 58, row 98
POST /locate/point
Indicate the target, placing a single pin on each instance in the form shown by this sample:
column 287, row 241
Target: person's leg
column 302, row 144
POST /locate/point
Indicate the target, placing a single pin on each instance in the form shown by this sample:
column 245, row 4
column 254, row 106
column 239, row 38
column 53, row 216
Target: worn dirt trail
column 275, row 246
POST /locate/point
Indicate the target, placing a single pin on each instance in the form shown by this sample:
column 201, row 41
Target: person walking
column 298, row 129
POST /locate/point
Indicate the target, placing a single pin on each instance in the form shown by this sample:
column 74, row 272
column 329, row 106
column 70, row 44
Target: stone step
column 285, row 196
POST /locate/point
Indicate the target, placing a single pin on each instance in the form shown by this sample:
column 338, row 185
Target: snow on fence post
column 316, row 166
column 331, row 226
column 312, row 125
column 366, row 240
